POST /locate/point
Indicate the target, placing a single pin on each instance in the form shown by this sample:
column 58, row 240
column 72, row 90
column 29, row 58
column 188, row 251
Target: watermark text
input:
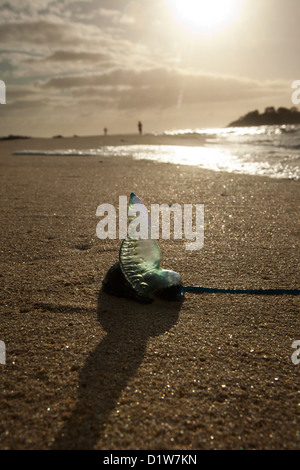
column 2, row 92
column 2, row 353
column 296, row 354
column 296, row 94
column 188, row 220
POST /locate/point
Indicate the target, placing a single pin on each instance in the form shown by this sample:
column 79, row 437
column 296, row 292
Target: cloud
column 163, row 88
column 60, row 34
column 74, row 56
column 40, row 48
column 109, row 13
column 16, row 93
column 116, row 16
column 14, row 11
column 132, row 58
column 117, row 77
column 40, row 32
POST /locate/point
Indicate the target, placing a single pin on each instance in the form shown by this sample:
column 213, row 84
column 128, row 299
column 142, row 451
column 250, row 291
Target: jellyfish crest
column 140, row 257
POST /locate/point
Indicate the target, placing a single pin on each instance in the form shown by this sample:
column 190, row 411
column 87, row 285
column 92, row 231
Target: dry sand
column 88, row 371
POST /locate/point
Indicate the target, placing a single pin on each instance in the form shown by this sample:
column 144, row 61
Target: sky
column 74, row 67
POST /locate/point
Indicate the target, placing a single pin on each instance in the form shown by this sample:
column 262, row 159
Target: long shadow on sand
column 112, row 364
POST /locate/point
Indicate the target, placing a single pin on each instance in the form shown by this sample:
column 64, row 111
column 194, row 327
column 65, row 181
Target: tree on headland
column 270, row 116
column 270, row 110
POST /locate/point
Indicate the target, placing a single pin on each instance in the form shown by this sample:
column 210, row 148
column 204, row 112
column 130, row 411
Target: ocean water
column 272, row 151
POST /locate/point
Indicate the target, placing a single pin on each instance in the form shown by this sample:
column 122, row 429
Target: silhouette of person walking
column 140, row 127
column 105, row 131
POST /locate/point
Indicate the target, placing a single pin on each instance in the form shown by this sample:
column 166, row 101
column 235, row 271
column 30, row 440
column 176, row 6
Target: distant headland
column 269, row 117
column 14, row 137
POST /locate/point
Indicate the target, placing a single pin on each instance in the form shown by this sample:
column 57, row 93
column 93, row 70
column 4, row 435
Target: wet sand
column 88, row 371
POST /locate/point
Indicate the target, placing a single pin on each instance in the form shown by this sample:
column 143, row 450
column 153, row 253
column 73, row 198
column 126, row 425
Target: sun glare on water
column 205, row 15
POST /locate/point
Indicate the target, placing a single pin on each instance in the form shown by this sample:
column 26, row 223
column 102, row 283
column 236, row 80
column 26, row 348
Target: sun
column 205, row 15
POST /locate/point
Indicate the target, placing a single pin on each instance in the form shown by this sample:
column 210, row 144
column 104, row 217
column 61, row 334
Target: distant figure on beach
column 105, row 131
column 140, row 127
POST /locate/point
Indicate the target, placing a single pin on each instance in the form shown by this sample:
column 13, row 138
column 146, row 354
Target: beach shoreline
column 88, row 371
column 86, row 142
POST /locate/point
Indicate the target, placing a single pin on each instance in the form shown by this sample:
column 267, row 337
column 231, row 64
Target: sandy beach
column 88, row 371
